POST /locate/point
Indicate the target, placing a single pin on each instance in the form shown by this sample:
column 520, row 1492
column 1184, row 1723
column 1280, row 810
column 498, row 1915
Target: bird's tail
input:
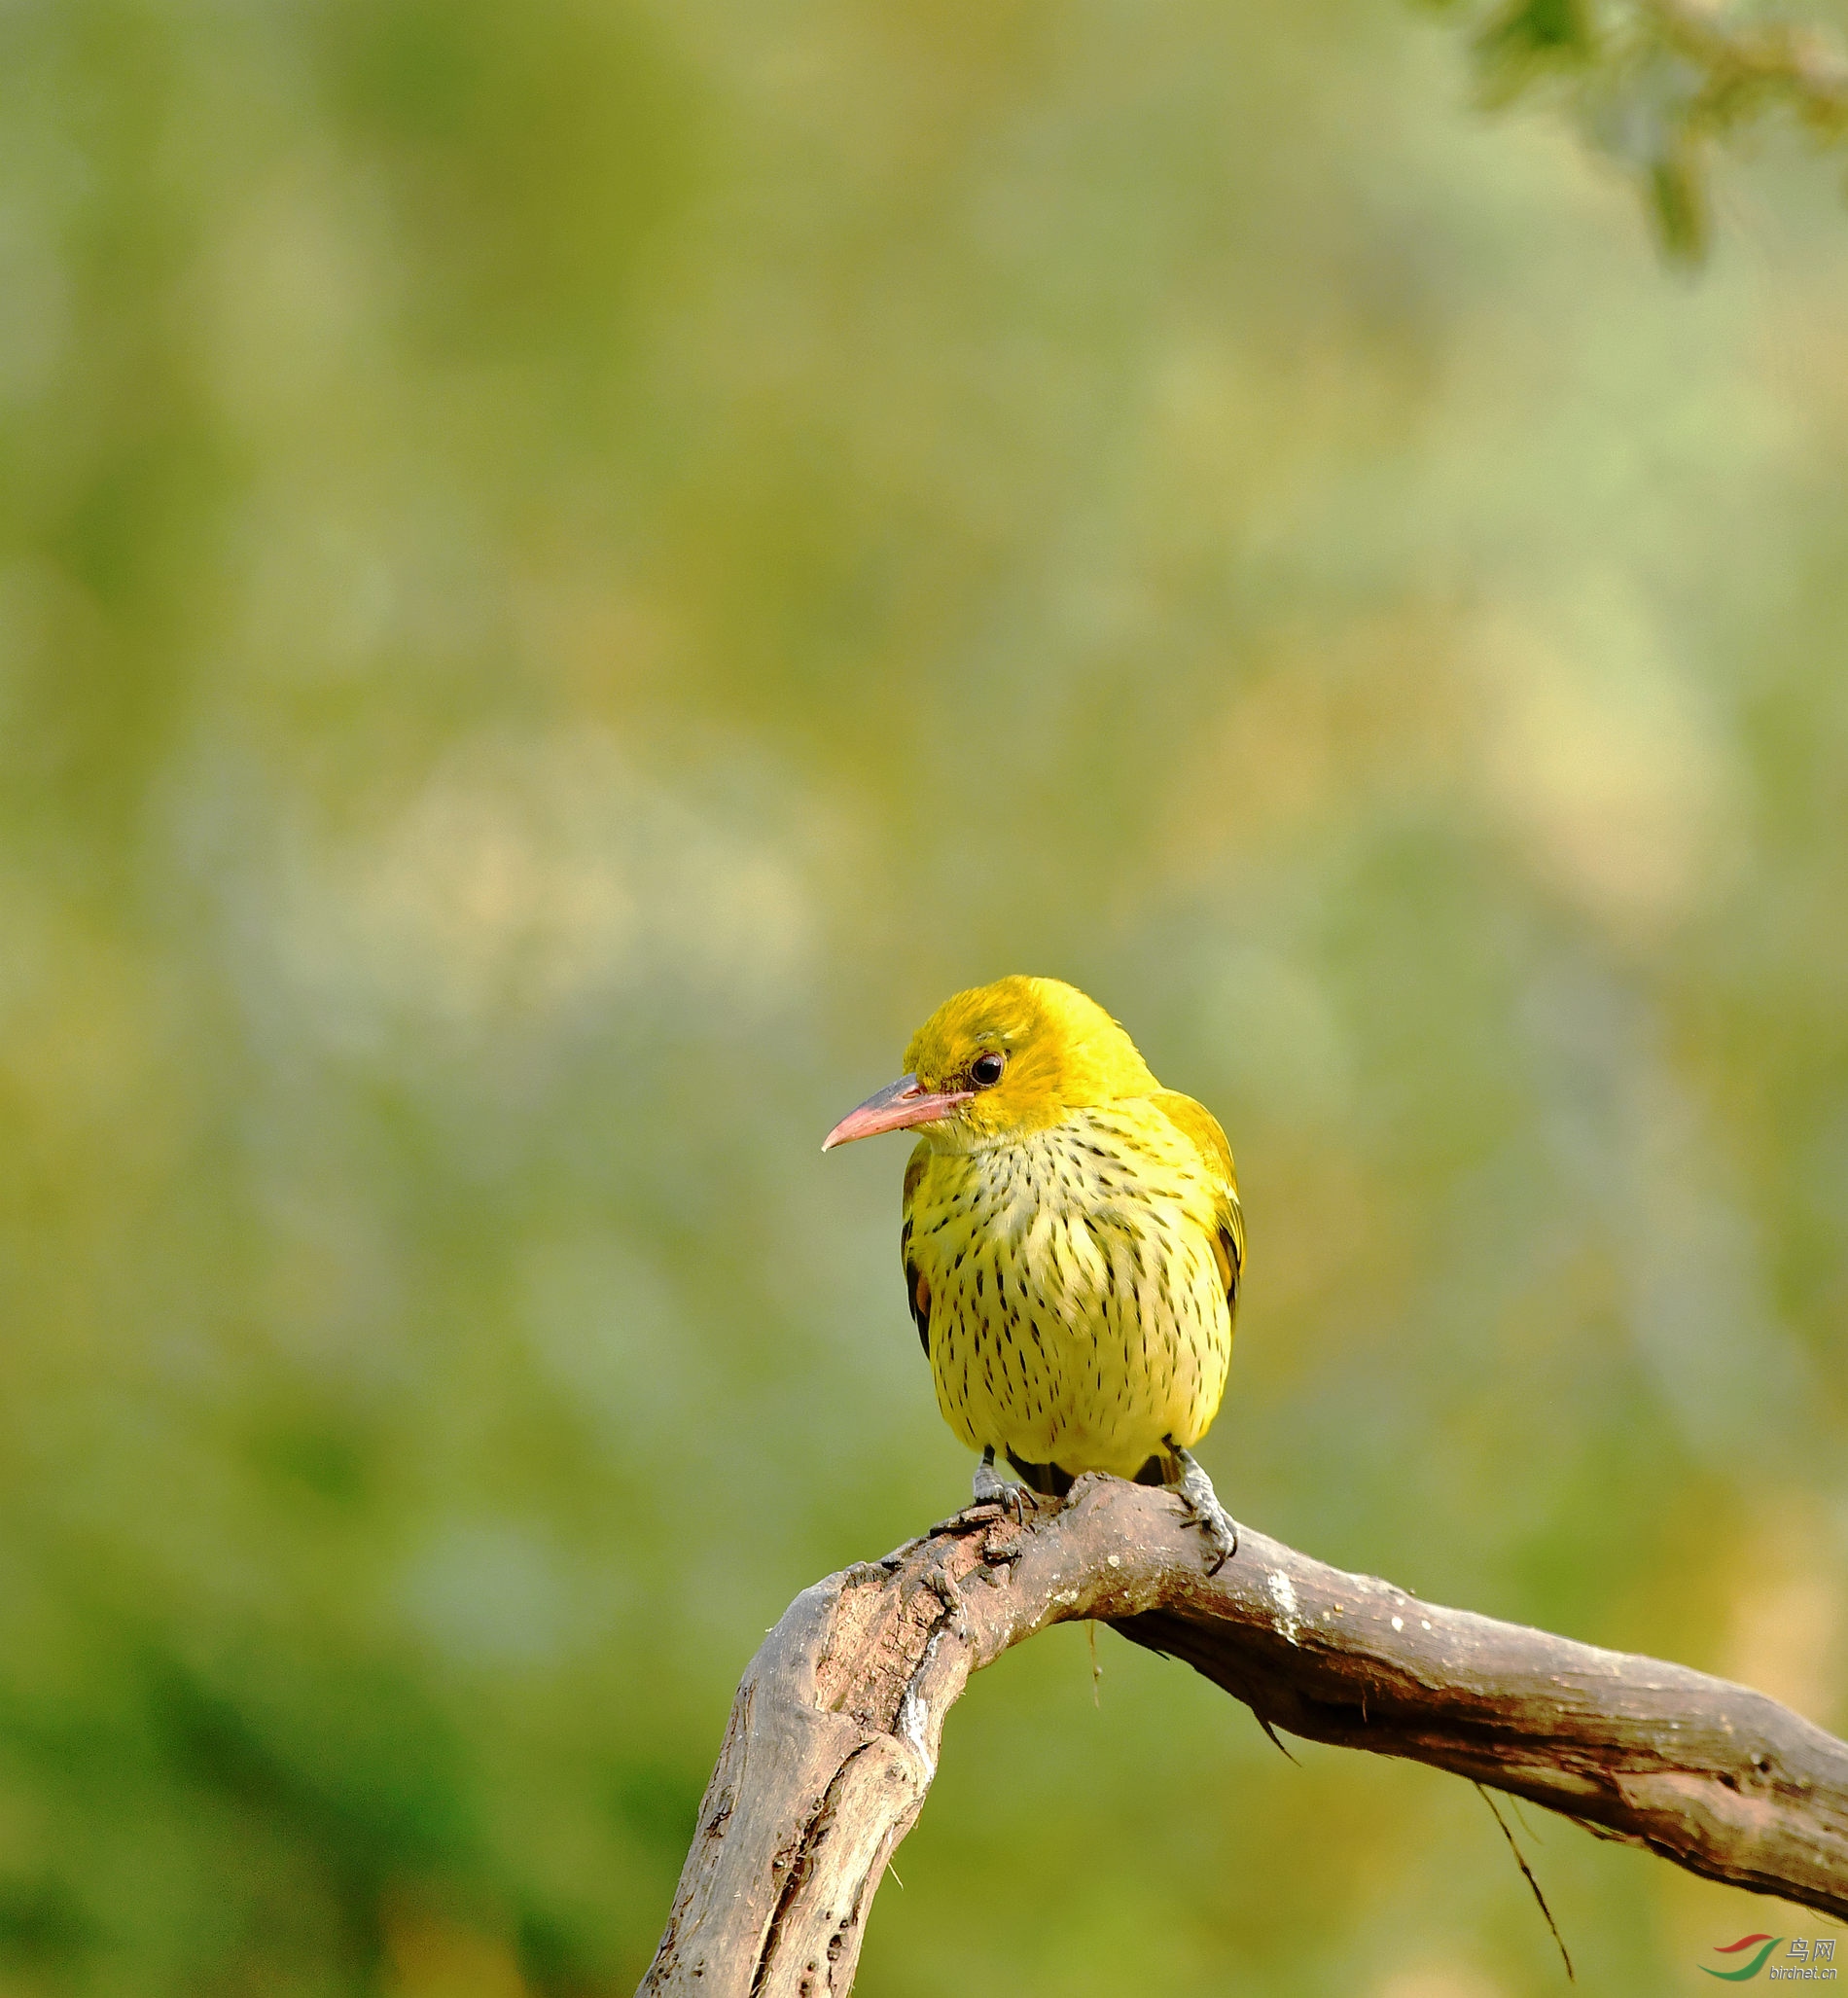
column 1043, row 1478
column 1056, row 1483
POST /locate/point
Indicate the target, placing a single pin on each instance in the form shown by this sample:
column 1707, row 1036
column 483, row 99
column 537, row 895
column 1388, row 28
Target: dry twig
column 834, row 1731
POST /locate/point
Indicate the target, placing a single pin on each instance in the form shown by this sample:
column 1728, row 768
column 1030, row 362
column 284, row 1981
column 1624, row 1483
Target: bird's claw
column 1222, row 1535
column 992, row 1490
column 1196, row 1493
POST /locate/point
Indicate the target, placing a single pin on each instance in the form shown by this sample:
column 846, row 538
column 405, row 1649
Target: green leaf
column 1678, row 206
column 1532, row 32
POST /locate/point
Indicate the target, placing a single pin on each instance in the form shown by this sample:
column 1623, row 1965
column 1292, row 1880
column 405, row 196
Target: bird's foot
column 1209, row 1516
column 993, row 1490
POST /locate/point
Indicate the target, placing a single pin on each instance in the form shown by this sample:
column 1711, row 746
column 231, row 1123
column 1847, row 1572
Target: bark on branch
column 833, row 1736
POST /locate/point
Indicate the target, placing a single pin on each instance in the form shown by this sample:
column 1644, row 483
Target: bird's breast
column 1096, row 1170
column 1076, row 1312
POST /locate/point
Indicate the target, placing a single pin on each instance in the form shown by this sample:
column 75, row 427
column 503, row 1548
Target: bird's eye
column 985, row 1070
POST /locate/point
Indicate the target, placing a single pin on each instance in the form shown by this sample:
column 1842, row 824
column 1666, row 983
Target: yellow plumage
column 1072, row 1236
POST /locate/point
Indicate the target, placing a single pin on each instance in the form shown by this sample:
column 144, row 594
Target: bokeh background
column 566, row 572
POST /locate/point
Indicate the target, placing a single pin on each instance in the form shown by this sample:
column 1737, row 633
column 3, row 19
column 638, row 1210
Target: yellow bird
column 1072, row 1241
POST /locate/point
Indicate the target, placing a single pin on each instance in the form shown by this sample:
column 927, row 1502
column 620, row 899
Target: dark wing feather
column 918, row 1290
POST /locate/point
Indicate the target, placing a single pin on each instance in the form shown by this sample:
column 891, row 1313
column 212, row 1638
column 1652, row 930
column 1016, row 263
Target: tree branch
column 1747, row 64
column 1654, row 82
column 833, row 1736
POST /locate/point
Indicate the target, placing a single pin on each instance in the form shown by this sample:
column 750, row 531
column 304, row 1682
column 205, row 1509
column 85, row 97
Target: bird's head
column 999, row 1062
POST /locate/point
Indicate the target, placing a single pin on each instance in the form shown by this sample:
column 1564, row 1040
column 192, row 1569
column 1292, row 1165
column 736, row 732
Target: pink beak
column 898, row 1105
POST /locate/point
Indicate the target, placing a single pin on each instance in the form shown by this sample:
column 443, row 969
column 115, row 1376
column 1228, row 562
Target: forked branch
column 833, row 1736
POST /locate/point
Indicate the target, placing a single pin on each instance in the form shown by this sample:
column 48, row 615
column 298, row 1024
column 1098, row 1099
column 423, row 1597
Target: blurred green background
column 567, row 572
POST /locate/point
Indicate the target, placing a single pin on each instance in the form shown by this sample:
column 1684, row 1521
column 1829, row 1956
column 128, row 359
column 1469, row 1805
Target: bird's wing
column 1200, row 1127
column 918, row 1290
